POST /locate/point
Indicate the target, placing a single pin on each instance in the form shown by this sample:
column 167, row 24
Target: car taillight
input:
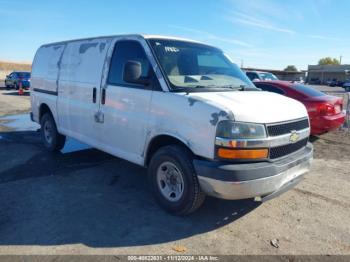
column 326, row 109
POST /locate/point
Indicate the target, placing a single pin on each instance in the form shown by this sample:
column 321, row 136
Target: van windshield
column 197, row 67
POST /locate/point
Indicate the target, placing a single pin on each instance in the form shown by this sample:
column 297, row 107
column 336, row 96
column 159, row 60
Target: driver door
column 124, row 107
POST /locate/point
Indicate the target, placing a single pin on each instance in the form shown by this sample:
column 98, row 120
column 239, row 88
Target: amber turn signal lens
column 242, row 154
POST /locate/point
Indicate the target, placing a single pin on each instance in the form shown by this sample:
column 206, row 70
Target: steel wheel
column 170, row 181
column 48, row 132
column 174, row 180
column 53, row 140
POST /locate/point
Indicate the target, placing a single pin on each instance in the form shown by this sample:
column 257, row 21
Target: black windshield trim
column 165, row 77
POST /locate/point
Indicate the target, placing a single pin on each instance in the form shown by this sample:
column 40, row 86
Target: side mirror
column 132, row 73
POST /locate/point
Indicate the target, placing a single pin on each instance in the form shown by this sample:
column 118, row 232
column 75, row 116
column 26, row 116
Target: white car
column 179, row 108
column 257, row 76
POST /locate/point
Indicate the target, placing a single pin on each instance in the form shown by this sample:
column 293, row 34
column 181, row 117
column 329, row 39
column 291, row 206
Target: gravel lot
column 88, row 202
column 11, row 103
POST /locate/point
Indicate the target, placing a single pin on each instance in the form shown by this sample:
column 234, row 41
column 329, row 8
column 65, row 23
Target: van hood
column 254, row 106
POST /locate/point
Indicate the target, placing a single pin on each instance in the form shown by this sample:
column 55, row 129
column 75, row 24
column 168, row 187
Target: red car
column 325, row 111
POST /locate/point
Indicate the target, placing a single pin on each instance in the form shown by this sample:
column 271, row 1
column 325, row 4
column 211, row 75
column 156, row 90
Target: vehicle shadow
column 313, row 138
column 15, row 93
column 92, row 198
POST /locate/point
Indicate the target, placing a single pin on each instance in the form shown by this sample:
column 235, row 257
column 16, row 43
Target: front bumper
column 249, row 180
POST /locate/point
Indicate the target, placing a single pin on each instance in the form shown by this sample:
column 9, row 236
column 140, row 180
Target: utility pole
column 340, row 58
column 242, row 62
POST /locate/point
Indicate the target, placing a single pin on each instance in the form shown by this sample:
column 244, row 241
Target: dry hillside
column 9, row 66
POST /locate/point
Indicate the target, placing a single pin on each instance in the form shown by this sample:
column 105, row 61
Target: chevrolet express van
column 178, row 107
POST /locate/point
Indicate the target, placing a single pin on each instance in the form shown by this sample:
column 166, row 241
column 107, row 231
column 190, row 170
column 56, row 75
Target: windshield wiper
column 232, row 87
column 202, row 86
column 215, row 86
column 240, row 88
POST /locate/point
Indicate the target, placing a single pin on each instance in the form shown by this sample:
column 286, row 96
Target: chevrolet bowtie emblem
column 294, row 136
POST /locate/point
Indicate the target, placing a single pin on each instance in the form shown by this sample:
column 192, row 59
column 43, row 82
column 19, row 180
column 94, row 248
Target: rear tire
column 174, row 181
column 53, row 140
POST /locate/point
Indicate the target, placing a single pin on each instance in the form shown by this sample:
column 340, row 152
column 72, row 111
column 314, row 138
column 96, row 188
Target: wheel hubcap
column 170, row 181
column 48, row 132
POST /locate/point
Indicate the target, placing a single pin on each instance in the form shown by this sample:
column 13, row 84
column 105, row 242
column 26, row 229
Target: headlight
column 238, row 134
column 239, row 130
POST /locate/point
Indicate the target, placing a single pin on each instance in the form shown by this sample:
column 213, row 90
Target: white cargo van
column 179, row 108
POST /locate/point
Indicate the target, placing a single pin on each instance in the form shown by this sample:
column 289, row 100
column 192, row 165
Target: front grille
column 286, row 128
column 280, row 151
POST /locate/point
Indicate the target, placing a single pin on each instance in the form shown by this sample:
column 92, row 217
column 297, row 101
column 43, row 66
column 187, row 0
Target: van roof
column 145, row 36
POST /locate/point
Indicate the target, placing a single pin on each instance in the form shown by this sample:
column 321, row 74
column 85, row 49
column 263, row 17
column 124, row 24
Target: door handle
column 94, row 91
column 103, row 96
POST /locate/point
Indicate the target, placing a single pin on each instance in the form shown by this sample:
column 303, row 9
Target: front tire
column 53, row 140
column 174, row 181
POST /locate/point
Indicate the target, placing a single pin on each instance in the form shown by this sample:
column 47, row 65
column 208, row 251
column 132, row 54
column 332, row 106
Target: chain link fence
column 347, row 106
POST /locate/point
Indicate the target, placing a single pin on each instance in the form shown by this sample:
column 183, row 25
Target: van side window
column 124, row 51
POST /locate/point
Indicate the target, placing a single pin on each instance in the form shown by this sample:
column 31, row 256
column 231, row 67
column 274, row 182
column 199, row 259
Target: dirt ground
column 88, row 202
column 11, row 103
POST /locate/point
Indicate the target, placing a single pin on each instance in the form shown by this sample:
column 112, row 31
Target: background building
column 281, row 74
column 320, row 74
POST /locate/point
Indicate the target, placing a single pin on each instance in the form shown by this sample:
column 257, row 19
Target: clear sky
column 262, row 33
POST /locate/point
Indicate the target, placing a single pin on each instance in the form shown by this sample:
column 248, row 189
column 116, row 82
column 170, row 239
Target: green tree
column 328, row 61
column 291, row 68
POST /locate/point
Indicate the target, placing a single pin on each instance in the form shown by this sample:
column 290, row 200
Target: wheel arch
column 162, row 140
column 43, row 109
